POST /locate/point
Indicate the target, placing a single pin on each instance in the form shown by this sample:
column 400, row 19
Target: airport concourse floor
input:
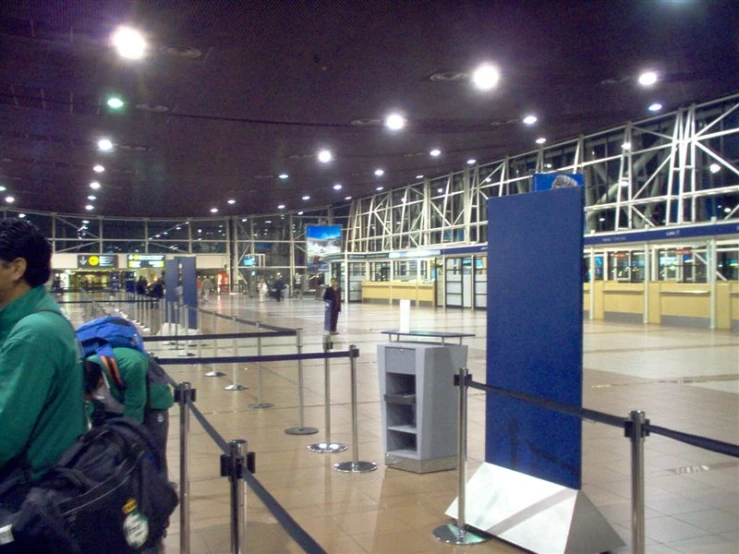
column 683, row 379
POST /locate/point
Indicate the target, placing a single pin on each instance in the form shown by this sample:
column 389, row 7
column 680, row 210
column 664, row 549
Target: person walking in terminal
column 332, row 298
column 41, row 385
column 206, row 289
column 124, row 391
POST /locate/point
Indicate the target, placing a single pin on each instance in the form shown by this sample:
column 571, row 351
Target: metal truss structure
column 674, row 169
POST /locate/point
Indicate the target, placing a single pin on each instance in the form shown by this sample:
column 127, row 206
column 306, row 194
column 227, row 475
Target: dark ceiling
column 250, row 89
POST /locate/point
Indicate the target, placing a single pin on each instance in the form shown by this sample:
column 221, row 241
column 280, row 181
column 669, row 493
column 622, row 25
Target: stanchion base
column 260, row 406
column 451, row 534
column 301, row 431
column 327, row 447
column 235, row 387
column 355, row 467
column 215, row 374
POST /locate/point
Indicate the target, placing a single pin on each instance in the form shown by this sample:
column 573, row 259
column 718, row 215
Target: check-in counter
column 387, row 292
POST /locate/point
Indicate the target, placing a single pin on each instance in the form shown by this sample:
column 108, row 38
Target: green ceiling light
column 115, row 103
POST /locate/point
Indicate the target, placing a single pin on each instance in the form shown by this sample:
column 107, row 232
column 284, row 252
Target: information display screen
column 141, row 261
column 91, row 261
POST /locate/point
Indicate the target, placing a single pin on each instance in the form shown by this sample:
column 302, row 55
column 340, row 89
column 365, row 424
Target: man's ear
column 18, row 267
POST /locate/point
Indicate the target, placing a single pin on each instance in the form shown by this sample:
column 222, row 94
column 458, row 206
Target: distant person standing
column 141, row 286
column 332, row 298
column 206, row 289
column 279, row 287
column 41, row 384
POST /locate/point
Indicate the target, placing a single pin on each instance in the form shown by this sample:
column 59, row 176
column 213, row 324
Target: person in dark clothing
column 141, row 286
column 332, row 298
column 279, row 286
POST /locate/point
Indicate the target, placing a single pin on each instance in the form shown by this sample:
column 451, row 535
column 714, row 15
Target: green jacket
column 41, row 381
column 133, row 367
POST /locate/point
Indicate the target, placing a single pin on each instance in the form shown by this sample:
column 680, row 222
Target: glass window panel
column 168, row 230
column 68, row 227
column 157, row 247
column 205, row 247
column 124, row 229
column 43, row 222
column 124, row 246
column 76, row 246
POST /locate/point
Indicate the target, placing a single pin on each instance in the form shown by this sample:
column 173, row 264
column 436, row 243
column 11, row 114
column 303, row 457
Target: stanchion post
column 301, row 429
column 451, row 533
column 355, row 466
column 214, row 372
column 234, row 386
column 260, row 403
column 327, row 447
column 636, row 431
column 233, row 466
column 184, row 394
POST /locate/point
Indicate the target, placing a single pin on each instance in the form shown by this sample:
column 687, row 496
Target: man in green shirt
column 127, row 393
column 41, row 382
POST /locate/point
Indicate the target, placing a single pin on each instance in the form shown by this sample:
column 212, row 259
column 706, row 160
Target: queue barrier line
column 218, row 336
column 244, row 321
column 255, row 359
column 706, row 443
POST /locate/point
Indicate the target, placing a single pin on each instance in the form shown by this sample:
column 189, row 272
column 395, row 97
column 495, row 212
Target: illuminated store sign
column 141, row 261
column 94, row 261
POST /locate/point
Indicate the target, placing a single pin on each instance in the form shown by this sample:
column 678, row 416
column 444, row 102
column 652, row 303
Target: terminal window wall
column 405, row 270
column 727, row 262
column 682, row 264
column 626, row 266
column 380, row 271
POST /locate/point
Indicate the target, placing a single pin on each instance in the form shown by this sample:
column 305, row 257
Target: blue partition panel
column 171, row 281
column 534, row 342
column 189, row 287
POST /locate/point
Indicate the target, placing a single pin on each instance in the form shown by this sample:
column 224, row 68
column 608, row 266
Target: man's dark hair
column 93, row 374
column 22, row 239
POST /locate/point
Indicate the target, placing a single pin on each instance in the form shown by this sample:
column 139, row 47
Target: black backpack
column 108, row 493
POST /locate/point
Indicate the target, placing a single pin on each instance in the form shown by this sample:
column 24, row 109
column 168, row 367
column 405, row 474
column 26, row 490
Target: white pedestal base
column 535, row 514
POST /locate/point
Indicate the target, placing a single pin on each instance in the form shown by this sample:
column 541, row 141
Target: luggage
column 101, row 335
column 107, row 493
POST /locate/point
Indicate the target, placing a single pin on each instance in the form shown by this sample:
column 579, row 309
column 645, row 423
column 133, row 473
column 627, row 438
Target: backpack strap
column 112, row 366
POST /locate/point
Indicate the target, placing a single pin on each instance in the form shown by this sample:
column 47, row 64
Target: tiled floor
column 683, row 379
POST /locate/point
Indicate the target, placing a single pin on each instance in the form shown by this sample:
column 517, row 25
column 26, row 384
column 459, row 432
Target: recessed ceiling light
column 548, row 166
column 21, row 216
column 10, row 199
column 471, row 161
column 379, row 188
column 337, row 186
column 283, row 176
column 98, row 168
column 306, row 197
column 231, row 201
column 419, row 176
column 325, row 156
column 95, row 185
column 601, row 219
column 541, row 140
column 105, row 145
column 626, row 146
column 486, row 77
column 300, row 213
column 85, row 221
column 727, row 210
column 440, row 190
column 395, row 122
column 2, row 188
column 115, row 103
column 624, row 182
column 530, row 119
column 714, row 168
column 648, row 78
column 347, row 198
column 214, row 210
column 89, row 207
column 435, row 152
column 129, row 43
column 268, row 221
column 379, row 172
column 92, row 197
column 655, row 107
column 243, row 220
column 281, row 207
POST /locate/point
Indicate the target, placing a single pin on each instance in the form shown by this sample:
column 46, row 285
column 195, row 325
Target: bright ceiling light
column 379, row 172
column 115, row 103
column 300, row 213
column 231, row 201
column 471, row 161
column 626, row 146
column 714, row 168
column 281, row 207
column 89, row 207
column 378, row 189
column 624, row 182
column 440, row 190
column 541, row 140
column 347, row 198
column 435, row 153
column 655, row 107
column 98, row 168
column 530, row 119
column 419, row 176
column 95, row 185
column 10, row 199
column 85, row 221
column 727, row 210
column 105, row 145
column 283, row 176
column 129, row 43
column 325, row 156
column 214, row 210
column 92, row 197
column 486, row 77
column 2, row 188
column 648, row 78
column 395, row 122
column 306, row 197
column 337, row 186
column 21, row 216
